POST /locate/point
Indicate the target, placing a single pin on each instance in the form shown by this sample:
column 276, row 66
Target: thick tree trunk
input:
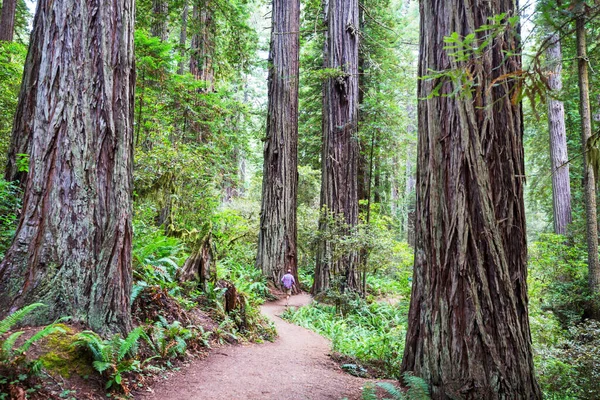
column 20, row 142
column 72, row 249
column 561, row 187
column 201, row 63
column 160, row 16
column 588, row 170
column 339, row 158
column 468, row 331
column 7, row 20
column 277, row 251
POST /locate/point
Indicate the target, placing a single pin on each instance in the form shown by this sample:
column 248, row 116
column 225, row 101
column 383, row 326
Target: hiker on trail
column 288, row 282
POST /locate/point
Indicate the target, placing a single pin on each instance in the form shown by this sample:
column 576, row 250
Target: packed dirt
column 296, row 366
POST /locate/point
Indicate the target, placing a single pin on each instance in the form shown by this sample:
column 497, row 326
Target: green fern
column 129, row 345
column 48, row 330
column 113, row 357
column 417, row 387
column 8, row 344
column 368, row 392
column 392, row 390
column 17, row 316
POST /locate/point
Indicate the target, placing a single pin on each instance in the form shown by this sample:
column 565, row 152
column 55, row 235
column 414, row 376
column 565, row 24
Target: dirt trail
column 295, row 366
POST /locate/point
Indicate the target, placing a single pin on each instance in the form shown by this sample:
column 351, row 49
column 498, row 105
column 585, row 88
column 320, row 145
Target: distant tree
column 561, row 186
column 589, row 178
column 339, row 156
column 201, row 60
column 160, row 15
column 277, row 236
column 20, row 143
column 7, row 20
column 72, row 249
column 468, row 330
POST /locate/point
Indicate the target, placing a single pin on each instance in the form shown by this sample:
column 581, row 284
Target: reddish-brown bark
column 72, row 249
column 339, row 157
column 277, row 236
column 468, row 333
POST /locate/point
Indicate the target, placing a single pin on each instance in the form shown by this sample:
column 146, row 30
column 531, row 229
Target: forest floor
column 296, row 366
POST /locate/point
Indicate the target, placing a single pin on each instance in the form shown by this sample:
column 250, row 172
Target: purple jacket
column 288, row 280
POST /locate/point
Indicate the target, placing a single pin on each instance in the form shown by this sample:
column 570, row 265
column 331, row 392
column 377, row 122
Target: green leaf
column 17, row 316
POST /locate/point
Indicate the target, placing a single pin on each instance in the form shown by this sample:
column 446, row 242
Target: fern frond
column 101, row 366
column 17, row 316
column 368, row 392
column 50, row 329
column 8, row 344
column 391, row 390
column 129, row 344
column 136, row 290
column 93, row 343
column 417, row 387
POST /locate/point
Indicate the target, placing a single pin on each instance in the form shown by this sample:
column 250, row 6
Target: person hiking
column 288, row 282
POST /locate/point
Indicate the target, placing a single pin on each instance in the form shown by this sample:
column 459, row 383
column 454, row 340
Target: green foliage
column 572, row 368
column 417, row 390
column 170, row 340
column 558, row 278
column 14, row 366
column 10, row 203
column 113, row 357
column 12, row 59
column 372, row 334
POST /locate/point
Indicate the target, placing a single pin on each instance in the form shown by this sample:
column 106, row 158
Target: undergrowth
column 372, row 334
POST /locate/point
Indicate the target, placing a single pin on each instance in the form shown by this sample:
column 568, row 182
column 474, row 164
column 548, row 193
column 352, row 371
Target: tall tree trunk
column 183, row 37
column 339, row 158
column 160, row 16
column 72, row 249
column 7, row 20
column 20, row 142
column 277, row 251
column 201, row 63
column 588, row 171
column 468, row 330
column 561, row 187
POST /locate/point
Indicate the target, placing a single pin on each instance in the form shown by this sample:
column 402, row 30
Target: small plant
column 15, row 369
column 169, row 340
column 113, row 357
column 417, row 390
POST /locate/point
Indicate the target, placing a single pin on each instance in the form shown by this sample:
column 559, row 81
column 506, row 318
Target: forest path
column 296, row 366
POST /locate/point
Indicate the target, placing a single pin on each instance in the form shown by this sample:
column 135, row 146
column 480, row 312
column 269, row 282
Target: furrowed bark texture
column 160, row 15
column 561, row 186
column 72, row 249
column 468, row 333
column 7, row 20
column 201, row 63
column 339, row 157
column 588, row 170
column 277, row 236
column 20, row 142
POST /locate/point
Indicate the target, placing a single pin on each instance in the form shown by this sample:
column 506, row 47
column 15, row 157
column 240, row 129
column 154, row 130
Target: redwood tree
column 561, row 187
column 7, row 20
column 468, row 330
column 339, row 155
column 72, row 249
column 277, row 236
column 589, row 179
column 201, row 62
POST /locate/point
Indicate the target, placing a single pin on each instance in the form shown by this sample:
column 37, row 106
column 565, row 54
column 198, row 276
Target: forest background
column 199, row 126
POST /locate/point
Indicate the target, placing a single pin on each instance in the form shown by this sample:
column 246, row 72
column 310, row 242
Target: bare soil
column 296, row 366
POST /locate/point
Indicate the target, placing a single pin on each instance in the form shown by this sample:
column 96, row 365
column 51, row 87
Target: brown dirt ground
column 296, row 366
